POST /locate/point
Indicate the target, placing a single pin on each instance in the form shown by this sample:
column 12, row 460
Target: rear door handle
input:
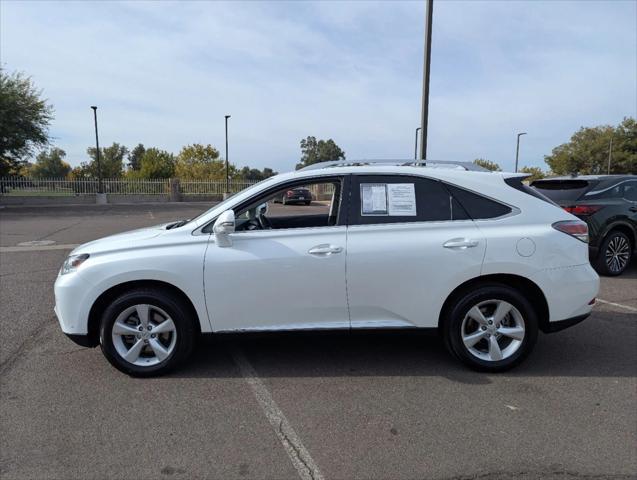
column 633, row 209
column 460, row 243
column 324, row 250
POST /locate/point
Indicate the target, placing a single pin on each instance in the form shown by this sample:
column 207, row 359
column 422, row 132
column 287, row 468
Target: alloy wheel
column 144, row 335
column 617, row 254
column 493, row 330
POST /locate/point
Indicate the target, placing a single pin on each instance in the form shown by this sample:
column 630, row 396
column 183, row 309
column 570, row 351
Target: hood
column 122, row 240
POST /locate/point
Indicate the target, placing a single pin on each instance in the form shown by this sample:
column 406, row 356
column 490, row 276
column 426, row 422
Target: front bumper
column 83, row 340
column 72, row 303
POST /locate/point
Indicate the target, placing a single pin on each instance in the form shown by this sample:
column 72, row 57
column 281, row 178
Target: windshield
column 562, row 190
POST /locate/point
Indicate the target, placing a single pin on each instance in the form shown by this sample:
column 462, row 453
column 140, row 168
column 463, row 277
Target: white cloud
column 164, row 74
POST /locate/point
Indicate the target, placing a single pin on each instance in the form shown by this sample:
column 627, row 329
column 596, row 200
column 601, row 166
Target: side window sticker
column 388, row 199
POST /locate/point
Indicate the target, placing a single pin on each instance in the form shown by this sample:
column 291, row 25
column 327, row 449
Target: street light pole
column 610, row 154
column 424, row 118
column 227, row 164
column 416, row 145
column 97, row 148
column 517, row 151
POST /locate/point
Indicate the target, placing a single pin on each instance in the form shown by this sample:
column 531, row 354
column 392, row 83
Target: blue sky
column 164, row 74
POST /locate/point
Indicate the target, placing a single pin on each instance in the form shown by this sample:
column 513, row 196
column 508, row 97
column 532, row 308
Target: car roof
column 588, row 177
column 431, row 172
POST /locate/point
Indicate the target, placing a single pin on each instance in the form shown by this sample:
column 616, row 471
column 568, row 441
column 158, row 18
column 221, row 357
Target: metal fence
column 27, row 186
column 209, row 187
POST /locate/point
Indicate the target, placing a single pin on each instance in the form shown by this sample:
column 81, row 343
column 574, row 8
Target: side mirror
column 224, row 226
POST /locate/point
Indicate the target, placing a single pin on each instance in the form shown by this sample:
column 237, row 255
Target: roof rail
column 469, row 166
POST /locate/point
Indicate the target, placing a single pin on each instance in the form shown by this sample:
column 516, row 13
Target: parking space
column 322, row 405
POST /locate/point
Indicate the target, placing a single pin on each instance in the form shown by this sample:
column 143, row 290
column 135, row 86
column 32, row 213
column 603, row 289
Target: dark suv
column 608, row 204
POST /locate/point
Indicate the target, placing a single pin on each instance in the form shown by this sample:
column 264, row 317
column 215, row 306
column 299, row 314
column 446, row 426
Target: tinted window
column 562, row 190
column 424, row 200
column 630, row 191
column 604, row 192
column 477, row 206
column 516, row 182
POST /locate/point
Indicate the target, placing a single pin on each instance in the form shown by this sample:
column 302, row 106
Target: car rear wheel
column 492, row 328
column 307, row 203
column 146, row 332
column 614, row 255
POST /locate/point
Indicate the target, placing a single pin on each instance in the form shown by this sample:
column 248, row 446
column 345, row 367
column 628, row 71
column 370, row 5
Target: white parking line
column 626, row 307
column 38, row 248
column 301, row 459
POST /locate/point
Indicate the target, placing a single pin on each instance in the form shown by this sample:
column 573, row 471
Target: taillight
column 574, row 228
column 289, row 193
column 583, row 209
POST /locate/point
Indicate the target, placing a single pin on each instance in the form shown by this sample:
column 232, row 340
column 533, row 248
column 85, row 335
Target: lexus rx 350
column 479, row 256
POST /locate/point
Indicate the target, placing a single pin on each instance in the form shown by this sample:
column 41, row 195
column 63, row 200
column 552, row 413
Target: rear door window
column 379, row 199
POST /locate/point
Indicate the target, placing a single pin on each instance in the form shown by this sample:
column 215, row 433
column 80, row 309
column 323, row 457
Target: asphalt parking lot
column 332, row 406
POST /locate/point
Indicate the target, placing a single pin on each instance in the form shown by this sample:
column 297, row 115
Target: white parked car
column 477, row 255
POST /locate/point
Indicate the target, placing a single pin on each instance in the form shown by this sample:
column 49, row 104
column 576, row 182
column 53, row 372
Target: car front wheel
column 146, row 332
column 492, row 328
column 614, row 255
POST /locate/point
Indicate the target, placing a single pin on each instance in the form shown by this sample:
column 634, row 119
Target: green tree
column 111, row 160
column 135, row 157
column 201, row 161
column 313, row 151
column 588, row 150
column 24, row 121
column 157, row 164
column 50, row 164
column 536, row 173
column 254, row 174
column 79, row 172
column 488, row 164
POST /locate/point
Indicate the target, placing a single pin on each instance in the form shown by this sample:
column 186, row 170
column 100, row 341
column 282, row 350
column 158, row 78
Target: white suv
column 478, row 256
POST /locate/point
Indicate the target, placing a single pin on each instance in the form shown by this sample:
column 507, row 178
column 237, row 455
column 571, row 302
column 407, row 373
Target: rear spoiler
column 515, row 181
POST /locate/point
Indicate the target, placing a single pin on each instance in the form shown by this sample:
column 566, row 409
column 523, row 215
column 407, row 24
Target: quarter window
column 614, row 191
column 630, row 191
column 477, row 206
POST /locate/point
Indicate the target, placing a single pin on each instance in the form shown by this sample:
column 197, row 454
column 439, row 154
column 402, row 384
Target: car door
column 409, row 245
column 282, row 278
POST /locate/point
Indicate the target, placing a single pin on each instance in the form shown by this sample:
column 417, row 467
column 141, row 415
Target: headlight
column 72, row 262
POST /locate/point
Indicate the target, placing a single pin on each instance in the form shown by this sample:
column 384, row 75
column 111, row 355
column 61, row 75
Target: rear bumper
column 553, row 327
column 568, row 291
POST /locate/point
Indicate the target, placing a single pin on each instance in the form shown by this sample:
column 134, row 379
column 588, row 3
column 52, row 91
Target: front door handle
column 324, row 250
column 633, row 209
column 460, row 243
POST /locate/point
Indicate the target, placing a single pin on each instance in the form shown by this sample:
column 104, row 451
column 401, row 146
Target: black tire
column 453, row 324
column 160, row 299
column 307, row 203
column 605, row 265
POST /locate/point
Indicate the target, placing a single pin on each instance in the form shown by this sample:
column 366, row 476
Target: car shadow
column 631, row 271
column 602, row 346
